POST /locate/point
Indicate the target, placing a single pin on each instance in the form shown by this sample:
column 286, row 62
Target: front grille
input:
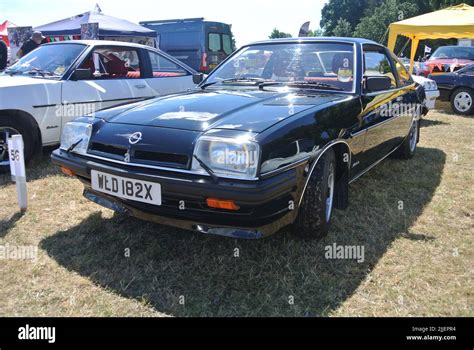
column 140, row 156
column 161, row 157
column 118, row 152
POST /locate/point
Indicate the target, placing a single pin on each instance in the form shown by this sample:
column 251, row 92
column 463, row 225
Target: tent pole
column 384, row 36
column 404, row 46
column 414, row 47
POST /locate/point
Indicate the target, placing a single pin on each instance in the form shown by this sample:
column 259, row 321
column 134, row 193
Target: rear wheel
column 462, row 101
column 314, row 216
column 8, row 128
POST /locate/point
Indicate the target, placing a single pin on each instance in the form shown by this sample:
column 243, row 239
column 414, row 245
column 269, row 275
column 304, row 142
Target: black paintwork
column 293, row 127
column 449, row 82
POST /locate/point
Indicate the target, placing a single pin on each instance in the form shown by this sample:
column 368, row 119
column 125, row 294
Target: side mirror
column 82, row 74
column 198, row 78
column 374, row 84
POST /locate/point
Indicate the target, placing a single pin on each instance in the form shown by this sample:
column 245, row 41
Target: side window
column 227, row 44
column 164, row 68
column 403, row 75
column 214, row 42
column 113, row 63
column 376, row 63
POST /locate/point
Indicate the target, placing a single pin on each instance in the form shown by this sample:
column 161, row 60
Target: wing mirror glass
column 82, row 74
column 374, row 84
column 198, row 78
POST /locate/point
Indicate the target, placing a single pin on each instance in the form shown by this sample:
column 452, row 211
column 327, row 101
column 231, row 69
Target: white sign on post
column 17, row 168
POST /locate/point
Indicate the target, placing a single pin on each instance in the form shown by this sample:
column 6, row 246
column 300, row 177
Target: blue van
column 200, row 44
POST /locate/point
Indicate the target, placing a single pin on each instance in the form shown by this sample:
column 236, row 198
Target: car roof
column 316, row 39
column 100, row 42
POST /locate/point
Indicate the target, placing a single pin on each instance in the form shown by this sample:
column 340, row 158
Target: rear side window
column 376, row 63
column 214, row 42
column 162, row 67
column 403, row 75
column 113, row 63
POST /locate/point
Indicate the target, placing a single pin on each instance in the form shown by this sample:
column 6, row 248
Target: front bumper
column 264, row 204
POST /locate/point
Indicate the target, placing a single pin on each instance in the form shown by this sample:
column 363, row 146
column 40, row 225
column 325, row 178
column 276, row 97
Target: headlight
column 431, row 86
column 74, row 132
column 228, row 157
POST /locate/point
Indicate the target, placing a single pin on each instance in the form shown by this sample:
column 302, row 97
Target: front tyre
column 8, row 128
column 462, row 101
column 314, row 215
column 407, row 149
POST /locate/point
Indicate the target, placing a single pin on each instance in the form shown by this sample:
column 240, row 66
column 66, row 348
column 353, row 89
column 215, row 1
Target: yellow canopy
column 452, row 22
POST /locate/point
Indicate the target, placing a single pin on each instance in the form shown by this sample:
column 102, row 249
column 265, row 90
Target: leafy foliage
column 355, row 12
column 370, row 18
column 374, row 27
column 277, row 34
column 343, row 28
column 351, row 11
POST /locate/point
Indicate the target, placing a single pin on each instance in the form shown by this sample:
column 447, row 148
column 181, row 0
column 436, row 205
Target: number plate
column 137, row 190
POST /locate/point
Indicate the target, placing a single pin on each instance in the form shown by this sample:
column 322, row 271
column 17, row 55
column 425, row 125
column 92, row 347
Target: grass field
column 413, row 218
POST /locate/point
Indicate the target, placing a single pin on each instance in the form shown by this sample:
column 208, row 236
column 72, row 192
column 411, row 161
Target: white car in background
column 431, row 90
column 430, row 86
column 58, row 82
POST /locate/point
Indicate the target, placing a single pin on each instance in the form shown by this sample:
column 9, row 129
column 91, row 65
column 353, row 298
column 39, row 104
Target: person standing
column 3, row 55
column 35, row 41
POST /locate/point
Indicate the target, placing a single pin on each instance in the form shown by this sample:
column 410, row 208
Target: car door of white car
column 168, row 77
column 116, row 78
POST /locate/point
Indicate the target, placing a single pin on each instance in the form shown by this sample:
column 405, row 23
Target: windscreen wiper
column 234, row 80
column 74, row 145
column 303, row 84
column 40, row 72
column 203, row 165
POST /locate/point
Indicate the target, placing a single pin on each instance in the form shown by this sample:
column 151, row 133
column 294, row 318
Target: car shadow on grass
column 187, row 274
column 429, row 122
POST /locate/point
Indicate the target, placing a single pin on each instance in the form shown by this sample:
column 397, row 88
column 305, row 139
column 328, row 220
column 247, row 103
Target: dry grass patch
column 418, row 261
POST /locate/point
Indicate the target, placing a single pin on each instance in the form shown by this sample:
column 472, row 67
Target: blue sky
column 251, row 19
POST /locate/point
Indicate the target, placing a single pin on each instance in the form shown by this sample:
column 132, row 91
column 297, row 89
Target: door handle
column 140, row 86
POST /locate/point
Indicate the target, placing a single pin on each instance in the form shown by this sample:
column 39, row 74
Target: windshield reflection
column 47, row 61
column 317, row 65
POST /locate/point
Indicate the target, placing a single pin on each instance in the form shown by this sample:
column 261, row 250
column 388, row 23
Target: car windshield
column 47, row 61
column 321, row 65
column 451, row 52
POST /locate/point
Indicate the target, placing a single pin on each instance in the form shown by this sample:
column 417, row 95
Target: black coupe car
column 271, row 138
column 458, row 88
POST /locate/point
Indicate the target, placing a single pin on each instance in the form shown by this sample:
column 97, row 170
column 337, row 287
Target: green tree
column 374, row 26
column 316, row 33
column 355, row 11
column 343, row 28
column 277, row 34
column 351, row 11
